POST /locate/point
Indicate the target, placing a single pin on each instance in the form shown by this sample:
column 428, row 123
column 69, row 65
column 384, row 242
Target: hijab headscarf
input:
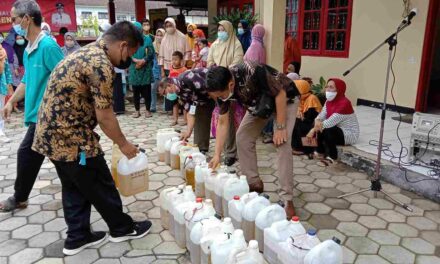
column 341, row 104
column 226, row 53
column 245, row 38
column 8, row 44
column 256, row 51
column 157, row 42
column 308, row 100
column 3, row 56
column 66, row 50
column 191, row 41
column 19, row 51
column 172, row 42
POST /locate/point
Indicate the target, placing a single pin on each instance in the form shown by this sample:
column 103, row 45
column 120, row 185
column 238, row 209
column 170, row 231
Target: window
column 322, row 27
column 85, row 14
column 121, row 18
column 102, row 15
column 132, row 18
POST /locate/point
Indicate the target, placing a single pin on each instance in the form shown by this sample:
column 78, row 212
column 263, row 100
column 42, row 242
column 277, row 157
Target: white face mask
column 330, row 95
column 227, row 98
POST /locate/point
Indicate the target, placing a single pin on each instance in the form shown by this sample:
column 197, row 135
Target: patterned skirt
column 237, row 109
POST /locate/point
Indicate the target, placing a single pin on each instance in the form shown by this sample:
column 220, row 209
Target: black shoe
column 230, row 161
column 141, row 229
column 94, row 239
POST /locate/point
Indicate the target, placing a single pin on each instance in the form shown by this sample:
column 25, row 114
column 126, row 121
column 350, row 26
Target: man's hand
column 279, row 137
column 6, row 111
column 129, row 150
column 215, row 162
column 184, row 135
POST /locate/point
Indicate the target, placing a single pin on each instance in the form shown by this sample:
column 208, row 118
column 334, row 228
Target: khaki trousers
column 247, row 135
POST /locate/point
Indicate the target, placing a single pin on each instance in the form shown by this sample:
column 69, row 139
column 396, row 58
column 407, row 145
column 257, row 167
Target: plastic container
column 164, row 213
column 174, row 154
column 168, row 145
column 206, row 210
column 249, row 213
column 183, row 194
column 185, row 152
column 277, row 233
column 328, row 252
column 294, row 249
column 265, row 219
column 251, row 255
column 221, row 249
column 181, row 211
column 133, row 174
column 116, row 156
column 196, row 235
column 200, row 173
column 221, row 179
column 161, row 137
column 210, row 180
column 206, row 242
column 189, row 169
column 234, row 186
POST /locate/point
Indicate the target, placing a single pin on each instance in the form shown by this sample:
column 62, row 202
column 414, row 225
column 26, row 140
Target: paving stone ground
column 372, row 229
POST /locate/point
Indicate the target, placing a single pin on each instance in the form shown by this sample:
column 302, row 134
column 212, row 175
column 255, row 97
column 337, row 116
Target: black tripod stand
column 375, row 181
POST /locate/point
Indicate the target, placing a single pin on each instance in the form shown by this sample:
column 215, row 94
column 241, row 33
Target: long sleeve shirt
column 348, row 123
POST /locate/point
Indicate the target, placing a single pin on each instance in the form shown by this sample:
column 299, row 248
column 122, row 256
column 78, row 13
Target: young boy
column 202, row 59
column 175, row 70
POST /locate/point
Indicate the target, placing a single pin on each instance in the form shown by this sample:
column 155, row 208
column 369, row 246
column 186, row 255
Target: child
column 170, row 93
column 202, row 58
column 5, row 88
column 175, row 70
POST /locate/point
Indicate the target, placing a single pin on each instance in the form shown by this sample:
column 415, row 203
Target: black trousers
column 202, row 126
column 145, row 92
column 28, row 165
column 328, row 139
column 84, row 186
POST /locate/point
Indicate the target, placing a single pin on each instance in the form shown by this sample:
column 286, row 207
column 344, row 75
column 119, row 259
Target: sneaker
column 95, row 238
column 141, row 229
column 11, row 204
column 230, row 161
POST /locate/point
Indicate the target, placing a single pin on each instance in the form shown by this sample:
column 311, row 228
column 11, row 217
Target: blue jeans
column 154, row 88
column 268, row 129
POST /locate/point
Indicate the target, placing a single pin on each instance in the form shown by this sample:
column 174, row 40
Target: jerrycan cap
column 253, row 244
column 236, row 197
column 295, row 219
column 311, row 232
column 336, row 240
column 199, row 199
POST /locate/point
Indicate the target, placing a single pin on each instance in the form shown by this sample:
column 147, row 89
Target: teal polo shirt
column 39, row 60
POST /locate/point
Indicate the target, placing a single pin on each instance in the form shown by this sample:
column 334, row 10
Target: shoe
column 290, row 210
column 141, row 229
column 11, row 204
column 257, row 186
column 230, row 161
column 94, row 239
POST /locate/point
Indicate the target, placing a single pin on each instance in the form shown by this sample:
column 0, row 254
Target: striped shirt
column 348, row 123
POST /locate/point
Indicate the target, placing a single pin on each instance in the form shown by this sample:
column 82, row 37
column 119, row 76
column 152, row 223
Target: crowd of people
column 224, row 90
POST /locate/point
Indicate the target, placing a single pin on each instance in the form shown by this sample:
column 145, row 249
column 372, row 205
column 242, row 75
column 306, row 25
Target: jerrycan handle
column 133, row 160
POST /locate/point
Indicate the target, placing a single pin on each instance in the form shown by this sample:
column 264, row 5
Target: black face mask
column 190, row 34
column 124, row 64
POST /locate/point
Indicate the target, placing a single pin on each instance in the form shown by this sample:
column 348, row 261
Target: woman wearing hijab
column 195, row 55
column 308, row 110
column 256, row 51
column 156, row 69
column 336, row 125
column 227, row 51
column 140, row 74
column 70, row 44
column 46, row 28
column 191, row 41
column 174, row 40
column 244, row 34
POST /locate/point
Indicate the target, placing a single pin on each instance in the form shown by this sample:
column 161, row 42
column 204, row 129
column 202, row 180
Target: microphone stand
column 375, row 181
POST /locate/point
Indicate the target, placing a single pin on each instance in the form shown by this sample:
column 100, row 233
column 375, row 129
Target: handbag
column 309, row 142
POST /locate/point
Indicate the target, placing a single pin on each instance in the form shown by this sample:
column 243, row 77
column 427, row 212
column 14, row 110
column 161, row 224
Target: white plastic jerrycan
column 133, row 174
column 181, row 211
column 226, row 230
column 161, row 137
column 250, row 211
column 327, row 252
column 222, row 178
column 174, row 154
column 196, row 234
column 200, row 175
column 205, row 210
column 294, row 249
column 168, row 144
column 184, row 195
column 279, row 232
column 251, row 255
column 235, row 208
column 164, row 213
column 265, row 219
column 234, row 186
column 221, row 249
column 210, row 180
column 185, row 152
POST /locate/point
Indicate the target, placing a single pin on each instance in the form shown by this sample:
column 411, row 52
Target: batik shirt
column 192, row 87
column 252, row 80
column 77, row 86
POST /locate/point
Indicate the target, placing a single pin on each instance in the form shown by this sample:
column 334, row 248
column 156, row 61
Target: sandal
column 267, row 140
column 318, row 156
column 148, row 115
column 174, row 123
column 297, row 152
column 136, row 115
column 327, row 162
column 10, row 205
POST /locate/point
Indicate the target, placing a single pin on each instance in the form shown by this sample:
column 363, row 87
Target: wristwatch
column 280, row 126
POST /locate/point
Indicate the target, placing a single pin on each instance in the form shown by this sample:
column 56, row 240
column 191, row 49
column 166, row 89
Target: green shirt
column 143, row 76
column 39, row 60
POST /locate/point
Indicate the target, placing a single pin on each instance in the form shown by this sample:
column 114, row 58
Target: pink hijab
column 256, row 51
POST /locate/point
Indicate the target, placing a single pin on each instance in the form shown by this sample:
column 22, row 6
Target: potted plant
column 318, row 89
column 234, row 17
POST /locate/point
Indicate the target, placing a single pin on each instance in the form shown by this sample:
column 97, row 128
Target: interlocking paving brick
column 168, row 248
column 41, row 199
column 107, row 261
column 323, row 221
column 403, row 230
column 42, row 217
column 11, row 246
column 348, row 256
column 50, row 261
column 56, row 224
column 396, row 254
column 307, row 187
column 113, row 250
column 372, row 222
column 53, row 205
column 391, row 216
column 28, row 255
column 370, row 259
column 356, row 198
column 149, row 242
column 347, row 187
column 337, row 203
column 426, row 204
column 341, row 179
column 84, row 257
column 380, row 203
column 325, row 234
column 384, row 237
column 27, row 231
column 4, row 235
column 362, row 245
column 422, row 223
column 317, row 208
column 30, row 210
column 312, row 197
column 363, row 209
column 432, row 237
column 344, row 215
column 434, row 216
column 352, row 229
column 12, row 223
column 418, row 245
column 44, row 239
column 427, row 260
column 324, row 183
column 330, row 192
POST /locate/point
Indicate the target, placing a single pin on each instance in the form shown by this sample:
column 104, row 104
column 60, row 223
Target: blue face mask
column 19, row 30
column 240, row 31
column 222, row 35
column 172, row 96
